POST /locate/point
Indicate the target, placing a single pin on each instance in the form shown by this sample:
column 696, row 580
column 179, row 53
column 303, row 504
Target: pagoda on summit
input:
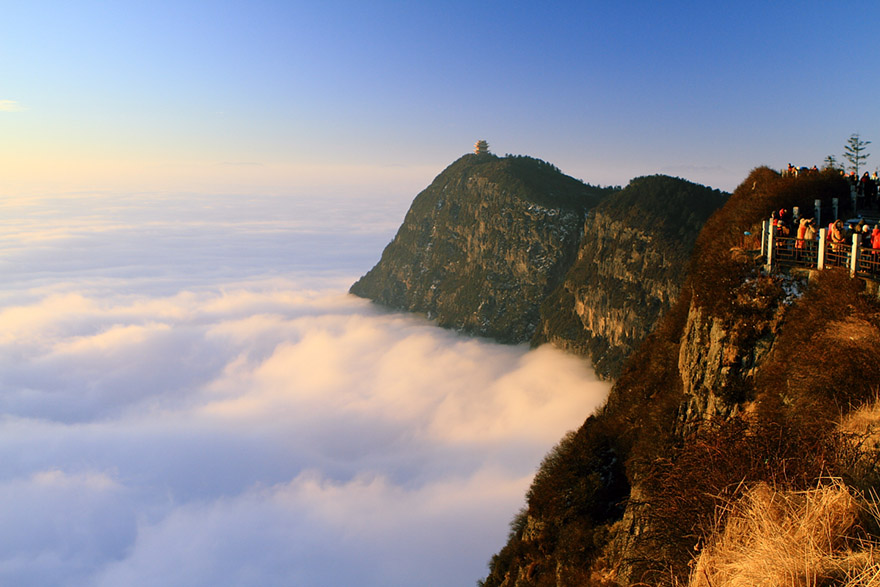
column 481, row 147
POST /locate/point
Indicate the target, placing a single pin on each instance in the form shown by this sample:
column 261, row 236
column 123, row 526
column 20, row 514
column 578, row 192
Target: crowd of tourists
column 800, row 234
column 804, row 229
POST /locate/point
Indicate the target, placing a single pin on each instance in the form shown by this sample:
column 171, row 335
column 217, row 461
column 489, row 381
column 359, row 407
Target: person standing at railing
column 811, row 232
column 800, row 243
column 866, row 239
column 838, row 232
column 838, row 240
column 801, row 232
column 875, row 250
column 782, row 229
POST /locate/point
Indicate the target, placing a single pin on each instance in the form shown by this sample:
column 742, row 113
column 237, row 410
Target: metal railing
column 868, row 263
column 821, row 253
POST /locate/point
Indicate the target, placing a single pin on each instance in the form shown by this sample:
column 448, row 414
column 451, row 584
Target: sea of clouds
column 188, row 396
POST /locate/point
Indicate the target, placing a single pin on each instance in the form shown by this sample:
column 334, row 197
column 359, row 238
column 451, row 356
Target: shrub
column 827, row 355
column 715, row 467
column 860, row 442
column 715, row 271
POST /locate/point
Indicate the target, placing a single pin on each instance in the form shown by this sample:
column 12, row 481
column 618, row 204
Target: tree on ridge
column 854, row 152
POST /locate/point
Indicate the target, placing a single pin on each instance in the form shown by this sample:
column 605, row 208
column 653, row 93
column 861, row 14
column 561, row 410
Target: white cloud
column 314, row 531
column 10, row 106
column 61, row 527
column 245, row 427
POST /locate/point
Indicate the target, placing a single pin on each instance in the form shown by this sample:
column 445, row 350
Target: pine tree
column 832, row 163
column 854, row 152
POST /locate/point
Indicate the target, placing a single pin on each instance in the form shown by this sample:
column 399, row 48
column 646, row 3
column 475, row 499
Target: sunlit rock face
column 483, row 246
column 744, row 380
column 629, row 269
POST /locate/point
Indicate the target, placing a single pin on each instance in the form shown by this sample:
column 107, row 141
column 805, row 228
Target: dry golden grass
column 851, row 329
column 783, row 538
column 864, row 424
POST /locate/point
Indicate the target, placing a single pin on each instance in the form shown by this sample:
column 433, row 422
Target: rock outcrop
column 483, row 246
column 512, row 249
column 739, row 385
column 728, row 377
column 629, row 269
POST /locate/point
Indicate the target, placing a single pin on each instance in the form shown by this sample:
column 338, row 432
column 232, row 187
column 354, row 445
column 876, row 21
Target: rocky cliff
column 742, row 385
column 629, row 269
column 512, row 249
column 483, row 246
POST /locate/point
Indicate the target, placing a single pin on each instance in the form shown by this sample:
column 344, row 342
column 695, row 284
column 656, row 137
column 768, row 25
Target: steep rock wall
column 629, row 269
column 741, row 383
column 483, row 245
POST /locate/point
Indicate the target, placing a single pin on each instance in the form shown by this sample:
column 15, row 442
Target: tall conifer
column 854, row 152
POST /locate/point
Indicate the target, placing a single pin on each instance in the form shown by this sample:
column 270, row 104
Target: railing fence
column 821, row 253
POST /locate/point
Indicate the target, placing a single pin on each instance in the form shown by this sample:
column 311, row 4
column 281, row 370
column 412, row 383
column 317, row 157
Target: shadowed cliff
column 629, row 269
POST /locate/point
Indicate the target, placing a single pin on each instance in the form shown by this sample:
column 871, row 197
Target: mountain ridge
column 727, row 378
column 629, row 269
column 488, row 246
column 738, row 389
column 483, row 244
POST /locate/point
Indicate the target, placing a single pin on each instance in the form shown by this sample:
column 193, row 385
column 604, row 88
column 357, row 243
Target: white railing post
column 820, row 261
column 854, row 255
column 764, row 226
column 770, row 233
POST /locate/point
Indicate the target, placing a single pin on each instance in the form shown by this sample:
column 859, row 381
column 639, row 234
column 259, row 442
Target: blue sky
column 292, row 97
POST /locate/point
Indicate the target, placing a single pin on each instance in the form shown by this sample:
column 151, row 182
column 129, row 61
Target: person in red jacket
column 875, row 253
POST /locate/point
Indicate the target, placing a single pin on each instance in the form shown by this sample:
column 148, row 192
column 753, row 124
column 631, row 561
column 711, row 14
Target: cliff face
column 512, row 249
column 741, row 384
column 629, row 269
column 483, row 245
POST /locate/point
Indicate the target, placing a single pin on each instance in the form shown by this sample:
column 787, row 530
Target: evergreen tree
column 854, row 152
column 832, row 163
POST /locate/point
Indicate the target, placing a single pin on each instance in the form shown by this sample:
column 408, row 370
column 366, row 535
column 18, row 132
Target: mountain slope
column 742, row 384
column 629, row 269
column 483, row 245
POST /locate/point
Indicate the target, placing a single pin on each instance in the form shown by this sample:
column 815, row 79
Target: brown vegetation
column 716, row 271
column 827, row 355
column 716, row 466
column 808, row 538
column 699, row 486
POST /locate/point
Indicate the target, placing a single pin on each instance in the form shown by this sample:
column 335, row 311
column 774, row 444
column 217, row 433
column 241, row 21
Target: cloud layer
column 190, row 423
column 10, row 106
